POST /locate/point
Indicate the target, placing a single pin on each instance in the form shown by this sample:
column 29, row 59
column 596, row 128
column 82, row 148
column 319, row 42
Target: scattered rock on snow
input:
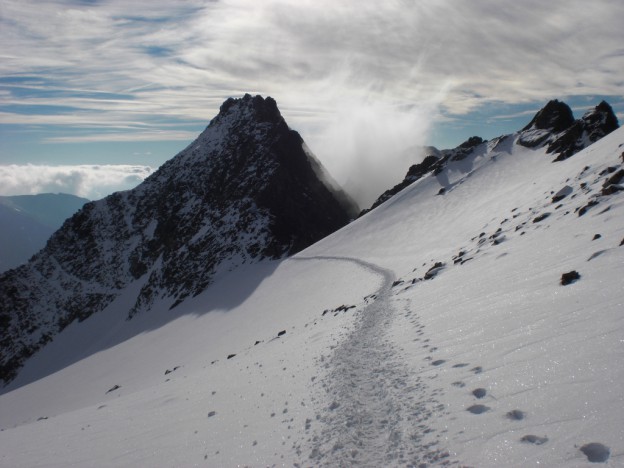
column 169, row 371
column 434, row 270
column 584, row 209
column 541, row 217
column 281, row 333
column 211, row 414
column 596, row 452
column 230, row 356
column 570, row 277
column 596, row 236
column 112, row 389
column 561, row 194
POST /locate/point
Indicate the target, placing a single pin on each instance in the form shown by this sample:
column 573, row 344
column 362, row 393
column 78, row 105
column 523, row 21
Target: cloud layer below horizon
column 98, row 70
column 88, row 181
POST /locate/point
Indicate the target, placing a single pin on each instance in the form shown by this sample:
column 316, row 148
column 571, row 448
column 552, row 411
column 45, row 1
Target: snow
column 490, row 363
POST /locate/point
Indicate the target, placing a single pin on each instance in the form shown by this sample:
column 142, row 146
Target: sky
column 96, row 94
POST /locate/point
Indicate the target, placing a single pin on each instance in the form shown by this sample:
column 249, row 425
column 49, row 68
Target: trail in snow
column 377, row 409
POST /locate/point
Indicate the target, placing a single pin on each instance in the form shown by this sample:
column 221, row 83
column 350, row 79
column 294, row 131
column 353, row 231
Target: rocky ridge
column 553, row 126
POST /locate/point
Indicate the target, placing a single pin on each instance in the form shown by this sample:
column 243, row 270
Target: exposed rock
column 585, row 208
column 570, row 277
column 541, row 217
column 562, row 193
column 434, row 270
column 590, row 128
column 552, row 119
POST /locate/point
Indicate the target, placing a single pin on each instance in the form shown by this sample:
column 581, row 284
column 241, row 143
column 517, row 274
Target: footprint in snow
column 461, row 364
column 533, row 439
column 478, row 409
column 438, row 362
column 479, row 392
column 516, row 415
column 596, row 452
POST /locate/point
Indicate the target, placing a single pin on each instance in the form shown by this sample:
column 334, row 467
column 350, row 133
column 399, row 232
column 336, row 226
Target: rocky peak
column 246, row 189
column 595, row 124
column 546, row 125
column 555, row 116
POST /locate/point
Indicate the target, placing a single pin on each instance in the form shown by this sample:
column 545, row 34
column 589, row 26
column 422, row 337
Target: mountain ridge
column 553, row 126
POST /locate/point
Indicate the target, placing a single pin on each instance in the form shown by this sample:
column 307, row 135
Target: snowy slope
column 490, row 362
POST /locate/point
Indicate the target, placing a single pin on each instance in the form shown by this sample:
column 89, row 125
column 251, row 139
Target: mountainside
column 245, row 190
column 473, row 319
column 435, row 330
column 28, row 221
column 552, row 127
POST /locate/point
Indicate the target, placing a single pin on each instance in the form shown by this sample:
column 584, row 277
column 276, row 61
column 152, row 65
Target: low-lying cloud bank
column 88, row 181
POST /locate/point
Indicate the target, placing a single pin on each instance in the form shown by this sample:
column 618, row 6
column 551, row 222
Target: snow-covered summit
column 247, row 188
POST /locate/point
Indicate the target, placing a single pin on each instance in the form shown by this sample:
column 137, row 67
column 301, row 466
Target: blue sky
column 111, row 85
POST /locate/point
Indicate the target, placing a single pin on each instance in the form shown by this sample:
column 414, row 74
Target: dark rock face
column 555, row 116
column 553, row 119
column 590, row 128
column 246, row 189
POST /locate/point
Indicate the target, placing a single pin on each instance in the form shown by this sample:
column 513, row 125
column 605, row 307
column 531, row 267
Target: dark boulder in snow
column 541, row 217
column 570, row 277
column 585, row 208
column 434, row 270
column 561, row 194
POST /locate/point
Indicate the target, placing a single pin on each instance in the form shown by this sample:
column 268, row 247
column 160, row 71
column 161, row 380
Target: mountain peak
column 555, row 116
column 595, row 124
column 246, row 189
column 261, row 109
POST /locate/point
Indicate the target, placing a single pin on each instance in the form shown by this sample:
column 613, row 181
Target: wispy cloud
column 136, row 65
column 89, row 181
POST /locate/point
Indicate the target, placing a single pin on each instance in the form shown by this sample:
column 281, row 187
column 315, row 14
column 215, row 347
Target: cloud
column 88, row 181
column 132, row 66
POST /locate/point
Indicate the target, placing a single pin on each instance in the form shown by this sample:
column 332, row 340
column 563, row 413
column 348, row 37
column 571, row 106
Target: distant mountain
column 553, row 127
column 246, row 189
column 27, row 221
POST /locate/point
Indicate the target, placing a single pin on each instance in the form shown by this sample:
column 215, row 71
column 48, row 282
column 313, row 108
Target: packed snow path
column 376, row 409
